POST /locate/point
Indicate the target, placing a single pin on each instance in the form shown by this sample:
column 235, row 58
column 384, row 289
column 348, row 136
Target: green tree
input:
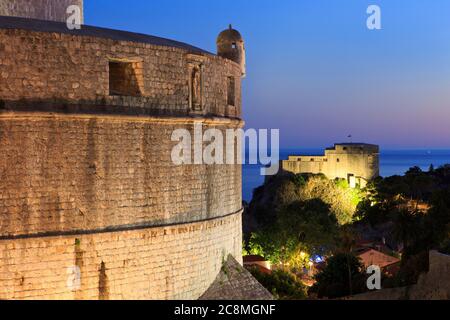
column 282, row 284
column 437, row 221
column 342, row 276
column 342, row 199
column 280, row 191
column 301, row 229
column 406, row 227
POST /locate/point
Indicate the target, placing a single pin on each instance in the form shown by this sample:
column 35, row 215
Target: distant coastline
column 392, row 162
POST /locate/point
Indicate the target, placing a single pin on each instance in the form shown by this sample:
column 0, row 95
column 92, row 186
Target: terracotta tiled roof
column 374, row 257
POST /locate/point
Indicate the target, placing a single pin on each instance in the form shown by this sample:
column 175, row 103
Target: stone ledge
column 182, row 226
column 186, row 119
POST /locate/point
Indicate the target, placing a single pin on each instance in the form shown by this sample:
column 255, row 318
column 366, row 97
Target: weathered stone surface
column 86, row 175
column 46, row 71
column 178, row 262
column 69, row 173
column 234, row 282
column 38, row 9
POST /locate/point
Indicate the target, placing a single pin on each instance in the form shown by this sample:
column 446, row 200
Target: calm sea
column 392, row 162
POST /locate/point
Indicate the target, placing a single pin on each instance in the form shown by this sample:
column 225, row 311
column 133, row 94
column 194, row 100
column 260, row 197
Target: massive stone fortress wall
column 74, row 173
column 356, row 162
column 86, row 175
column 55, row 10
column 177, row 262
column 63, row 69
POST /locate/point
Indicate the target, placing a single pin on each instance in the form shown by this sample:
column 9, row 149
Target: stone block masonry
column 38, row 9
column 177, row 262
column 87, row 183
column 58, row 71
column 74, row 173
column 68, row 181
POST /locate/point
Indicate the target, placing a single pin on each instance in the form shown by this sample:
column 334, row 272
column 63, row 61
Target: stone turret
column 54, row 10
column 230, row 45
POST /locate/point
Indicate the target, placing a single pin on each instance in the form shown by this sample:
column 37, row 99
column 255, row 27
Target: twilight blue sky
column 314, row 70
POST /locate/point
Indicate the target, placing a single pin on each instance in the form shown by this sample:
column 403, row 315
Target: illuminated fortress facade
column 91, row 205
column 358, row 163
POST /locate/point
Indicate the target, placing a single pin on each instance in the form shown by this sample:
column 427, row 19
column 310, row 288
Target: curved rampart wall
column 71, row 73
column 66, row 173
column 178, row 262
column 86, row 177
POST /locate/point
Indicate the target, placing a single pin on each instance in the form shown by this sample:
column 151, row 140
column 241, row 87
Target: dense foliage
column 302, row 228
column 298, row 216
column 282, row 284
column 282, row 190
column 418, row 207
column 342, row 276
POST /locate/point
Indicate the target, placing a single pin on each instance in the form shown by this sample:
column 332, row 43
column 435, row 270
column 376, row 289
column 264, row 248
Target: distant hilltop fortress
column 358, row 163
column 91, row 204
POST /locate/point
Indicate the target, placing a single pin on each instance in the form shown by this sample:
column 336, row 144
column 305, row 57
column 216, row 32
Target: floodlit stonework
column 356, row 162
column 86, row 177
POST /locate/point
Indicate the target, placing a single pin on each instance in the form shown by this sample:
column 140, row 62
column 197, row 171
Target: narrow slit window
column 231, row 87
column 125, row 79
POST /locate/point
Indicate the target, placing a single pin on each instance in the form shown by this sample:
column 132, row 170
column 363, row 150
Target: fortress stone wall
column 75, row 173
column 86, row 176
column 177, row 262
column 62, row 71
column 356, row 162
column 38, row 9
